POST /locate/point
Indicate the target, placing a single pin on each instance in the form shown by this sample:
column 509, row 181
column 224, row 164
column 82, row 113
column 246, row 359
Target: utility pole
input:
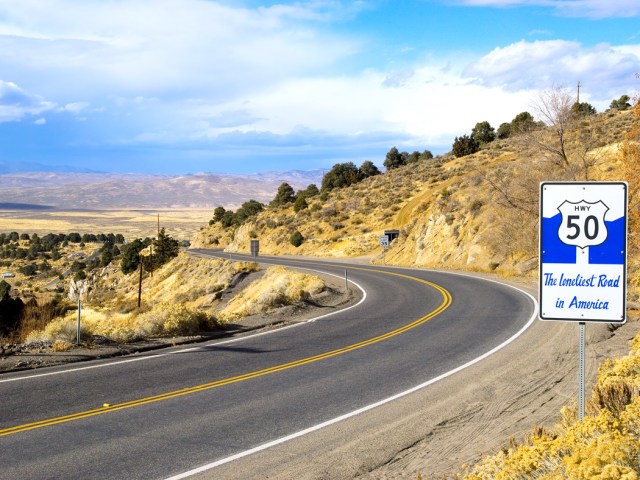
column 578, row 100
column 140, row 283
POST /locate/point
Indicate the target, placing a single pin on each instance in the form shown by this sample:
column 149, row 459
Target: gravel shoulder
column 456, row 421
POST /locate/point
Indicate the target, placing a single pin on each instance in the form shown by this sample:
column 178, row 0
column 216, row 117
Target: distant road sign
column 255, row 248
column 583, row 251
column 384, row 241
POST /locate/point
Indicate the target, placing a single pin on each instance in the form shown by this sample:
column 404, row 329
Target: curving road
column 163, row 414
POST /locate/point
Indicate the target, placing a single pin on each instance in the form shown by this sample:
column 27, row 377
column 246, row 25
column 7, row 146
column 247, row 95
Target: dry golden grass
column 181, row 298
column 605, row 446
column 278, row 287
column 34, row 285
column 181, row 224
column 451, row 212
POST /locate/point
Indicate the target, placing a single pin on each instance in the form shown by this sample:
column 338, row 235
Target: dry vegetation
column 478, row 212
column 184, row 297
column 605, row 445
column 34, row 286
column 182, row 224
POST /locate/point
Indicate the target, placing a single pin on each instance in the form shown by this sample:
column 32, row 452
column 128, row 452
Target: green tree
column 341, row 175
column 218, row 214
column 80, row 275
column 621, row 104
column 296, row 239
column 368, row 169
column 310, row 191
column 523, row 122
column 413, row 157
column 483, row 133
column 131, row 256
column 393, row 159
column 106, row 257
column 10, row 310
column 247, row 210
column 77, row 265
column 165, row 248
column 300, row 204
column 29, row 270
column 5, row 289
column 504, row 131
column 464, row 145
column 228, row 219
column 285, row 195
column 426, row 155
column 583, row 108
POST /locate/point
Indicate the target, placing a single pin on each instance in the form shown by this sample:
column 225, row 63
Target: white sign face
column 583, row 251
column 384, row 240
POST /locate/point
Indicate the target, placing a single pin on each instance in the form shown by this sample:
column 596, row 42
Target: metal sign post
column 583, row 256
column 384, row 243
column 581, row 354
column 77, row 289
column 346, row 281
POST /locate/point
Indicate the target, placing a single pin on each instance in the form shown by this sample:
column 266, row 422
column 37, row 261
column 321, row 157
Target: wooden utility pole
column 140, row 284
column 578, row 100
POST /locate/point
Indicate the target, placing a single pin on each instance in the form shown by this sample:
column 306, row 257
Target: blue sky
column 186, row 86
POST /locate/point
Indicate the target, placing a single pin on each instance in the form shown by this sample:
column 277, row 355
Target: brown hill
column 476, row 212
column 73, row 191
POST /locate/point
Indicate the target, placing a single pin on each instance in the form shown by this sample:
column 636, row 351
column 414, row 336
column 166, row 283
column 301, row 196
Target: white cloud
column 606, row 71
column 179, row 72
column 572, row 8
column 428, row 109
column 75, row 107
column 166, row 47
column 40, row 121
column 16, row 103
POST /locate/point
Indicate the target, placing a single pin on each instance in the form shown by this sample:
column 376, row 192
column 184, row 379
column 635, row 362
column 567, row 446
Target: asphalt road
column 162, row 414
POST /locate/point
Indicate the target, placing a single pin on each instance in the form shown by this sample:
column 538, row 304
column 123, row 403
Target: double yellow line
column 446, row 302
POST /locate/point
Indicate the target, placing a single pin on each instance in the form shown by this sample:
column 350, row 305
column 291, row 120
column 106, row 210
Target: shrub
column 296, row 239
column 300, row 204
column 285, row 195
column 464, row 145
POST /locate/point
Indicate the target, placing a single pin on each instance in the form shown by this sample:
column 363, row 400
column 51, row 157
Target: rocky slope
column 477, row 212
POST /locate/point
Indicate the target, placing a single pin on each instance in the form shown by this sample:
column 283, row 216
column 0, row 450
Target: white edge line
column 366, row 408
column 202, row 346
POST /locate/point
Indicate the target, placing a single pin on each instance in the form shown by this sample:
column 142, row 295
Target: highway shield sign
column 583, row 251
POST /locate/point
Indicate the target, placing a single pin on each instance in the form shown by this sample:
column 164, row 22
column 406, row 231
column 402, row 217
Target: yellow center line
column 246, row 376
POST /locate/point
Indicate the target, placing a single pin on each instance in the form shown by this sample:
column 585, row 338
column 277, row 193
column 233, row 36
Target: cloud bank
column 206, row 81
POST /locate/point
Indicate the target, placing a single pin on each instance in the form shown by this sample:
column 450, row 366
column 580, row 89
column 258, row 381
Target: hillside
column 77, row 191
column 475, row 212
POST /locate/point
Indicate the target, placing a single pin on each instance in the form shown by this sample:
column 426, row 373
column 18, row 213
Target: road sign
column 255, row 247
column 384, row 241
column 583, row 251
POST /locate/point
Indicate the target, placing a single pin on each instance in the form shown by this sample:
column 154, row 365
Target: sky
column 188, row 86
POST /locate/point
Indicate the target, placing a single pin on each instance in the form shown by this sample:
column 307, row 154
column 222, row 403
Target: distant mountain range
column 98, row 191
column 22, row 167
